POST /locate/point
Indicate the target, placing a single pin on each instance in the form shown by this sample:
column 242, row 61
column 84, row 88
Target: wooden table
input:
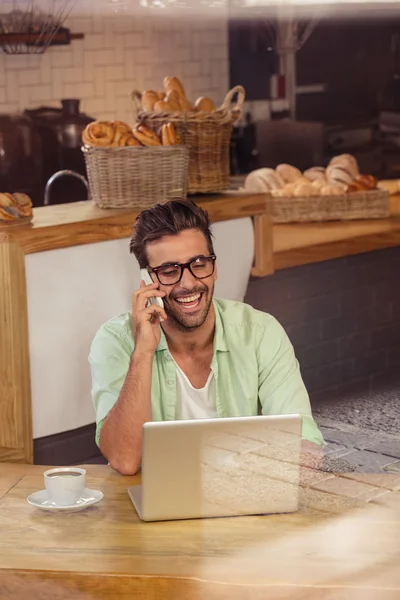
column 343, row 544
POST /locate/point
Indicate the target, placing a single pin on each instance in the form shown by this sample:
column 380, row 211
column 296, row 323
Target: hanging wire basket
column 30, row 26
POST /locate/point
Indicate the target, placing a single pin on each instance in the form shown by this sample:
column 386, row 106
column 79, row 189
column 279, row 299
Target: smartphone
column 145, row 276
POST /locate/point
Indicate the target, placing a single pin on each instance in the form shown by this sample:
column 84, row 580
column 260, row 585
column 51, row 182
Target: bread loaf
column 347, row 161
column 336, row 174
column 315, row 174
column 204, row 104
column 304, row 189
column 288, row 173
column 332, row 190
column 149, row 98
column 255, row 183
column 173, row 83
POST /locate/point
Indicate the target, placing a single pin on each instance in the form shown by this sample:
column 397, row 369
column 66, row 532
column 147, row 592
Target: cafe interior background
column 335, row 88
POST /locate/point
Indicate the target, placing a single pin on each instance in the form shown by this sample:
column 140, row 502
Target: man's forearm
column 121, row 434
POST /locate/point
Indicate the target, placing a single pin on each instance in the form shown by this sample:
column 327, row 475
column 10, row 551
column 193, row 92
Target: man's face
column 187, row 303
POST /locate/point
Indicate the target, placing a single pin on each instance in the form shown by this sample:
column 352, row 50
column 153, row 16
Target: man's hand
column 146, row 322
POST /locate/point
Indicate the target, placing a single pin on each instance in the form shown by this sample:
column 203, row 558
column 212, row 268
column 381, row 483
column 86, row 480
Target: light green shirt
column 254, row 366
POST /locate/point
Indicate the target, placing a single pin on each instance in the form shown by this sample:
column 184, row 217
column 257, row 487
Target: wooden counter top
column 299, row 244
column 342, row 543
column 65, row 225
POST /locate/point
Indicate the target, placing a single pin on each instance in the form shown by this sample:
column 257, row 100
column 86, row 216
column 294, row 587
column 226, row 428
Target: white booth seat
column 72, row 291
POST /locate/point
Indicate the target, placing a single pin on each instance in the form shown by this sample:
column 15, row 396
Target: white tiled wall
column 119, row 54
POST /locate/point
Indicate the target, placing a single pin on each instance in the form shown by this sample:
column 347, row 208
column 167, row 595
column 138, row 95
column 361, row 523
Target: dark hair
column 168, row 219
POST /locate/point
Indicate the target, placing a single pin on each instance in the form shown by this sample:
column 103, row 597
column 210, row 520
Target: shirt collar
column 220, row 344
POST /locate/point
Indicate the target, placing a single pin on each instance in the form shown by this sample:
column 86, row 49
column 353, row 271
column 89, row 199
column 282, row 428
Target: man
column 197, row 357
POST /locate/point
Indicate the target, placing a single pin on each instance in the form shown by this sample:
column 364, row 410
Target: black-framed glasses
column 200, row 267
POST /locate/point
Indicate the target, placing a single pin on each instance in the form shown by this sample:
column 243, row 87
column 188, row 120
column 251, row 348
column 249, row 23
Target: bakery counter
column 300, row 244
column 67, row 272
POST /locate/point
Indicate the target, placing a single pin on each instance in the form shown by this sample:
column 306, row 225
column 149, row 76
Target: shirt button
column 170, row 382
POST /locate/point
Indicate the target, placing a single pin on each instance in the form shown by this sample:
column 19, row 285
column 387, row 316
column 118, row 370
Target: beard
column 189, row 321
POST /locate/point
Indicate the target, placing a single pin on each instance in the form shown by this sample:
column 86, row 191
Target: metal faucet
column 56, row 176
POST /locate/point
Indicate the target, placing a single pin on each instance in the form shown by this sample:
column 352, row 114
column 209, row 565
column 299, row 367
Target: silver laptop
column 219, row 468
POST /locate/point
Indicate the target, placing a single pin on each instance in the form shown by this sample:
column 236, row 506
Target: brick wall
column 343, row 318
column 119, row 53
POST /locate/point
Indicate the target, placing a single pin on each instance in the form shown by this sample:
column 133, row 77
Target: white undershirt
column 192, row 403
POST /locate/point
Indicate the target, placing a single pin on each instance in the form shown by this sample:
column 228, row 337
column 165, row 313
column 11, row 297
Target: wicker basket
column 373, row 204
column 133, row 177
column 208, row 137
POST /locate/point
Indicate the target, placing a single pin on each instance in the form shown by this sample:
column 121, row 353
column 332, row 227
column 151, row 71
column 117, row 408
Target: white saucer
column 88, row 498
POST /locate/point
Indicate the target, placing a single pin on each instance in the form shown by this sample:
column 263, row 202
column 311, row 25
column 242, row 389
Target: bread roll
column 279, row 194
column 255, row 183
column 204, row 104
column 174, row 100
column 288, row 173
column 304, row 190
column 318, row 183
column 336, row 174
column 315, row 174
column 146, row 136
column 168, row 135
column 149, row 98
column 289, row 189
column 128, row 139
column 8, row 213
column 347, row 161
column 162, row 106
column 173, row 83
column 332, row 190
column 186, row 105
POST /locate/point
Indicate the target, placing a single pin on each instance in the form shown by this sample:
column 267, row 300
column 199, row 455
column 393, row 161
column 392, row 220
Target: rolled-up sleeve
column 281, row 387
column 109, row 360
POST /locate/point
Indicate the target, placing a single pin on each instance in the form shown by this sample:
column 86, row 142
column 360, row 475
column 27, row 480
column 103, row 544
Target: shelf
column 62, row 38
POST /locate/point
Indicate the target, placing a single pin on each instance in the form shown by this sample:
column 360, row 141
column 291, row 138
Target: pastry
column 288, row 173
column 128, row 139
column 315, row 174
column 173, row 83
column 99, row 133
column 6, row 200
column 8, row 214
column 356, row 186
column 146, row 136
column 368, row 180
column 347, row 161
column 204, row 104
column 332, row 190
column 336, row 174
column 23, row 204
column 168, row 135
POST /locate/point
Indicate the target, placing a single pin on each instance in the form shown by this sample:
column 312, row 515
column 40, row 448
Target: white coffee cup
column 65, row 485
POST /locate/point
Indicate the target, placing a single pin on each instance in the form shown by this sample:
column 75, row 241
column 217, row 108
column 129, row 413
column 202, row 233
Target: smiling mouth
column 189, row 302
